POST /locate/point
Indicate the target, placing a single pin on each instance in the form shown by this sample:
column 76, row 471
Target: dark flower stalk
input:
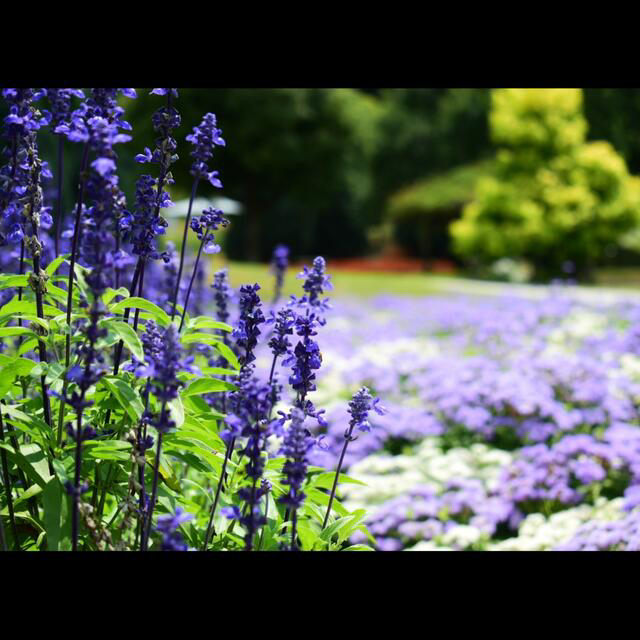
column 95, row 123
column 150, row 198
column 296, row 446
column 23, row 209
column 84, row 378
column 359, row 407
column 60, row 103
column 163, row 369
column 248, row 403
column 279, row 344
column 210, row 220
column 6, row 481
column 204, row 139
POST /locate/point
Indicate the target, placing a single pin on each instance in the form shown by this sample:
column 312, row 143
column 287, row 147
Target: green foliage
column 422, row 212
column 554, row 197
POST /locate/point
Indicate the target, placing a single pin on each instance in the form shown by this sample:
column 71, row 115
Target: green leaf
column 52, row 267
column 127, row 335
column 207, row 385
column 14, row 331
column 325, row 480
column 33, row 490
column 10, row 371
column 227, row 354
column 323, row 499
column 204, row 322
column 110, row 294
column 176, row 409
column 141, row 303
column 55, row 508
column 108, row 450
column 308, row 534
column 359, row 547
column 200, row 338
column 126, row 396
column 30, row 424
column 24, row 464
column 343, row 527
column 8, row 281
column 218, row 371
column 28, row 345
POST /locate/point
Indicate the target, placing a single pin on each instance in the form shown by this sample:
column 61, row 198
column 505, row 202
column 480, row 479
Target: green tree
column 554, row 197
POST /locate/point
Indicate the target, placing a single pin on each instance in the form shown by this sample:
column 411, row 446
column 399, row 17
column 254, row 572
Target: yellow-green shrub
column 553, row 197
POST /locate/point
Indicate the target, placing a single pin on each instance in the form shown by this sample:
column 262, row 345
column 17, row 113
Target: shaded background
column 349, row 172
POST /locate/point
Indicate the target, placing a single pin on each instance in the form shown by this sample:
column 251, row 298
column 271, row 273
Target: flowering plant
column 133, row 416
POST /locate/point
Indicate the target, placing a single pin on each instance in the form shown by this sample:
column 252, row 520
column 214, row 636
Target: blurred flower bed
column 512, row 424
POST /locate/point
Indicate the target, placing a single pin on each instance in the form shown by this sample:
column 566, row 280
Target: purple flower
column 204, row 138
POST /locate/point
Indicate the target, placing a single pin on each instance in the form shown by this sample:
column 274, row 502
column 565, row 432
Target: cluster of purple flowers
column 204, row 138
column 210, row 220
column 247, row 330
column 146, row 222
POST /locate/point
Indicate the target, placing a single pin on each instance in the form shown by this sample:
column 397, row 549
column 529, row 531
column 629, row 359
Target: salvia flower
column 204, row 138
column 316, row 282
column 60, row 104
column 251, row 316
column 279, row 264
column 297, row 443
column 151, row 196
column 210, row 220
column 360, row 406
column 283, row 323
column 222, row 294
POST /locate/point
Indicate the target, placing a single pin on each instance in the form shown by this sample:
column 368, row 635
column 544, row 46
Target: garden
column 214, row 381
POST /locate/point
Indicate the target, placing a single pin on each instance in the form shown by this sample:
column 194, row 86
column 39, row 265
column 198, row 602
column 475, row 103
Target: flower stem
column 182, row 249
column 227, row 455
column 347, row 440
column 74, row 249
column 193, row 277
column 76, row 484
column 60, row 214
column 6, row 481
column 154, row 492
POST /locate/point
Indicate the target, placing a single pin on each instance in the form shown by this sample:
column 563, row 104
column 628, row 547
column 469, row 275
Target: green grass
column 346, row 283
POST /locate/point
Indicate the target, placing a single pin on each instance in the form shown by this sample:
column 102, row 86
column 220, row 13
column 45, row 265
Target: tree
column 554, row 197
